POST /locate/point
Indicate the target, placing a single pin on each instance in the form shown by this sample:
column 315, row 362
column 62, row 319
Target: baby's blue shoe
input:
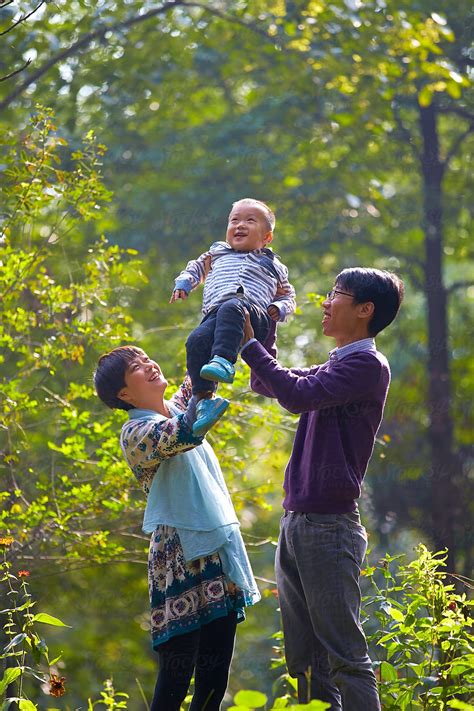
column 219, row 369
column 207, row 414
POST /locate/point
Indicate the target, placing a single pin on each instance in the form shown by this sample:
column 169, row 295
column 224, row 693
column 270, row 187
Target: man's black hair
column 109, row 378
column 384, row 289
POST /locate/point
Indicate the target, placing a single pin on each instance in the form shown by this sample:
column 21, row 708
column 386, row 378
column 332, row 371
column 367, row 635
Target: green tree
column 68, row 499
column 316, row 108
column 61, row 303
column 350, row 117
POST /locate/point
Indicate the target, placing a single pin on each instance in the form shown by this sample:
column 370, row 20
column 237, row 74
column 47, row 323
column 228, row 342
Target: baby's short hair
column 269, row 214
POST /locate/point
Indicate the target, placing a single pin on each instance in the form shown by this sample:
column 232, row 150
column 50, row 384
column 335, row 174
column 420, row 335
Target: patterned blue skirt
column 186, row 594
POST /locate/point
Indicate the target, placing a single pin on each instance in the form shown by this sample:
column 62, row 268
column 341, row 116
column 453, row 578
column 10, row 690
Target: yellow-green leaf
column 10, row 675
column 48, row 620
column 252, row 699
column 454, row 89
column 425, row 96
column 388, row 672
column 396, row 614
column 27, row 705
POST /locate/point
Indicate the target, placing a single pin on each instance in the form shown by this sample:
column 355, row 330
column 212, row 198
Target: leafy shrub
column 424, row 634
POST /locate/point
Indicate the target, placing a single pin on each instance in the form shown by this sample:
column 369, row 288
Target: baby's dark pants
column 220, row 333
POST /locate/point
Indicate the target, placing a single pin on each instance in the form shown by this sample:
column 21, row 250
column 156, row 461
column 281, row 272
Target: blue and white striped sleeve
column 194, row 273
column 285, row 297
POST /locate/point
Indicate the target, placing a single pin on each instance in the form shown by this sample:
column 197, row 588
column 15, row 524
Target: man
column 322, row 543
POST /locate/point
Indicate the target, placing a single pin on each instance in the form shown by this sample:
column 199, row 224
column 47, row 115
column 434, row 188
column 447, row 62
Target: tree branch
column 17, row 71
column 80, row 44
column 228, row 18
column 458, row 110
column 100, row 34
column 456, row 144
column 409, row 261
column 459, row 285
column 23, row 18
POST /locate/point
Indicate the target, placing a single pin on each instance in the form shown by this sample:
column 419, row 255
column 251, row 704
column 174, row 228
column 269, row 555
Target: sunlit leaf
column 48, row 620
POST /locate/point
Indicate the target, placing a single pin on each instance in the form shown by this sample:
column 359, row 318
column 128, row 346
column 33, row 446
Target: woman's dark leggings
column 206, row 651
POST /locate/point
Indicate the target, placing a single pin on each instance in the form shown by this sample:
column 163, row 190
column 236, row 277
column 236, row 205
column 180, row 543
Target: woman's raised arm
column 147, row 442
column 183, row 394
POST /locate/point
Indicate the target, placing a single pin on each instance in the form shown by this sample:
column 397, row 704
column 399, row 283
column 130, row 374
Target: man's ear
column 268, row 237
column 366, row 310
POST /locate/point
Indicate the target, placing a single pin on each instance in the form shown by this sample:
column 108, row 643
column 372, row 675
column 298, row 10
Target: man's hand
column 248, row 330
column 273, row 312
column 178, row 294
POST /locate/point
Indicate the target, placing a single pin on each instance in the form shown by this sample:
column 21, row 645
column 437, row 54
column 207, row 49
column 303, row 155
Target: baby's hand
column 273, row 312
column 178, row 294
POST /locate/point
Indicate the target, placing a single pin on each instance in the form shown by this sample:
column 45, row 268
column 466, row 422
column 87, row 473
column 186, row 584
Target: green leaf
column 312, row 706
column 55, row 660
column 404, row 699
column 344, row 119
column 457, row 704
column 252, row 699
column 388, row 672
column 459, row 668
column 386, row 637
column 48, row 620
column 16, row 640
column 27, row 705
column 425, row 96
column 396, row 614
column 10, row 675
column 454, row 89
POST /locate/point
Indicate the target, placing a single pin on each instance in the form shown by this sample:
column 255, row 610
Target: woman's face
column 144, row 382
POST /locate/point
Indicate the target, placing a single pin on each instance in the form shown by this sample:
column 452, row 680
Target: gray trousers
column 318, row 563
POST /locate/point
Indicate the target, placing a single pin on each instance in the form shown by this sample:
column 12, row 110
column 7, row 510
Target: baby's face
column 248, row 228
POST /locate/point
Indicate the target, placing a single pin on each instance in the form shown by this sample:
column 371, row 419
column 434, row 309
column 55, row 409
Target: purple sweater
column 341, row 405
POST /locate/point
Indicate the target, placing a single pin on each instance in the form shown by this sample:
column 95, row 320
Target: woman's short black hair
column 109, row 378
column 384, row 289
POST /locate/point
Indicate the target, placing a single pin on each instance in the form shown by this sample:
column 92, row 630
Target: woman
column 199, row 575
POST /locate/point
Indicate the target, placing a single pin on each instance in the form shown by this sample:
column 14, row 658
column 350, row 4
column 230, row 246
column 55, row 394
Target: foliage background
column 163, row 116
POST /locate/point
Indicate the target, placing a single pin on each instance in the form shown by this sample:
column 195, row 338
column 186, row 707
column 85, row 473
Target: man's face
column 340, row 317
column 248, row 228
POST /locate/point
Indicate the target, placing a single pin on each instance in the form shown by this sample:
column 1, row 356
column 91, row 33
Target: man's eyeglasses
column 331, row 294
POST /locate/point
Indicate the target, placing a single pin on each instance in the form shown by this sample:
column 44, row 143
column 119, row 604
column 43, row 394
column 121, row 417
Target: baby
column 239, row 275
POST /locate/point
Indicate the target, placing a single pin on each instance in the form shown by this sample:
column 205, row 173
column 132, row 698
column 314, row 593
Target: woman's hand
column 178, row 294
column 248, row 330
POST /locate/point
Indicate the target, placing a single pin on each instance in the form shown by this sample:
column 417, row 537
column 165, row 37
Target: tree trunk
column 443, row 460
